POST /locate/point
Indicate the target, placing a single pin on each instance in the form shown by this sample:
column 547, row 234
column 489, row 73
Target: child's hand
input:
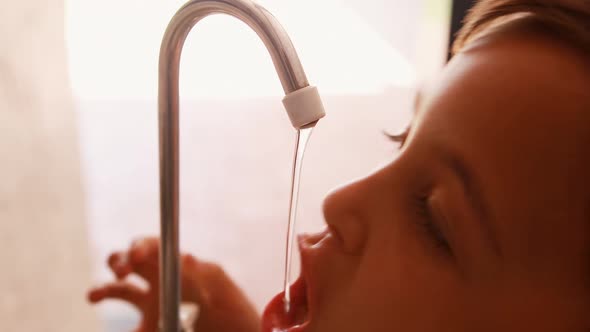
column 223, row 307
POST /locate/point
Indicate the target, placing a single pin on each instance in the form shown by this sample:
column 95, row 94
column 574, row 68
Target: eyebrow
column 474, row 196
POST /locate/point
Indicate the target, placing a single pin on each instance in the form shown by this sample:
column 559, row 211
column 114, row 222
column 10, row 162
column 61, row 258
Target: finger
column 145, row 248
column 144, row 259
column 190, row 281
column 200, row 279
column 190, row 265
column 119, row 290
column 119, row 264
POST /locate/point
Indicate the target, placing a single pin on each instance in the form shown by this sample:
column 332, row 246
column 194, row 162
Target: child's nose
column 344, row 212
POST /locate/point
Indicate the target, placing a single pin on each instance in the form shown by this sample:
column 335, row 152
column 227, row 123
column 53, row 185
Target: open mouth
column 276, row 318
column 297, row 319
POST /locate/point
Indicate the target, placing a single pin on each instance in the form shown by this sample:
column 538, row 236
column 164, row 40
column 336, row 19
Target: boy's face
column 482, row 222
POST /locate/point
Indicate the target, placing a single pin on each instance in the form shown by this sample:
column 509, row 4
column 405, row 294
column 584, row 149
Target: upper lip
column 312, row 248
column 305, row 241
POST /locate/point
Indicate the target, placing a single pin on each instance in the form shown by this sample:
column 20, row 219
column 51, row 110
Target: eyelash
column 425, row 215
column 400, row 138
column 421, row 202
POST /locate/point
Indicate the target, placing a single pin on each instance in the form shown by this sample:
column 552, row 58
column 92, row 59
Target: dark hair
column 567, row 19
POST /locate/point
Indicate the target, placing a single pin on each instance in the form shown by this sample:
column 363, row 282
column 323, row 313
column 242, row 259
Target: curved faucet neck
column 274, row 37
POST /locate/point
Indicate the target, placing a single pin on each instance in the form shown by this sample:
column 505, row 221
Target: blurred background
column 79, row 140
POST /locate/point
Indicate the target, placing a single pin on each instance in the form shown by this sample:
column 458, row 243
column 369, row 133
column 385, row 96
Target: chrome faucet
column 302, row 102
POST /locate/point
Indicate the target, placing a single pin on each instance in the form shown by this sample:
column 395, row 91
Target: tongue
column 275, row 318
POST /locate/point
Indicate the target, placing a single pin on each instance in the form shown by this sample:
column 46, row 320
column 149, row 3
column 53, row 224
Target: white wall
column 43, row 240
column 417, row 28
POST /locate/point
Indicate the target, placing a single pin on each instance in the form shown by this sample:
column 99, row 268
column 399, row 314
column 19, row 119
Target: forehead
column 519, row 96
column 517, row 112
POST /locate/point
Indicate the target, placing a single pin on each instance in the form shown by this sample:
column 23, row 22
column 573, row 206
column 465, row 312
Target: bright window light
column 113, row 49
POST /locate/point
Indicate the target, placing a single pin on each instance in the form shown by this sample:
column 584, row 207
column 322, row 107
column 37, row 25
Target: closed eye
column 426, row 220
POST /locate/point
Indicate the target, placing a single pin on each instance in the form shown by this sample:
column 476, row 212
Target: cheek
column 403, row 286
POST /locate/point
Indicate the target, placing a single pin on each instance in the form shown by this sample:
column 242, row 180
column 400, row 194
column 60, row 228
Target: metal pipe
column 292, row 78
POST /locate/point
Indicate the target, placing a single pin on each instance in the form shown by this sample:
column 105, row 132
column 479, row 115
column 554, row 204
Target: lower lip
column 275, row 319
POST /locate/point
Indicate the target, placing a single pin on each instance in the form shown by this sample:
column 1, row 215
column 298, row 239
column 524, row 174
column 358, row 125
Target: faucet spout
column 302, row 102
